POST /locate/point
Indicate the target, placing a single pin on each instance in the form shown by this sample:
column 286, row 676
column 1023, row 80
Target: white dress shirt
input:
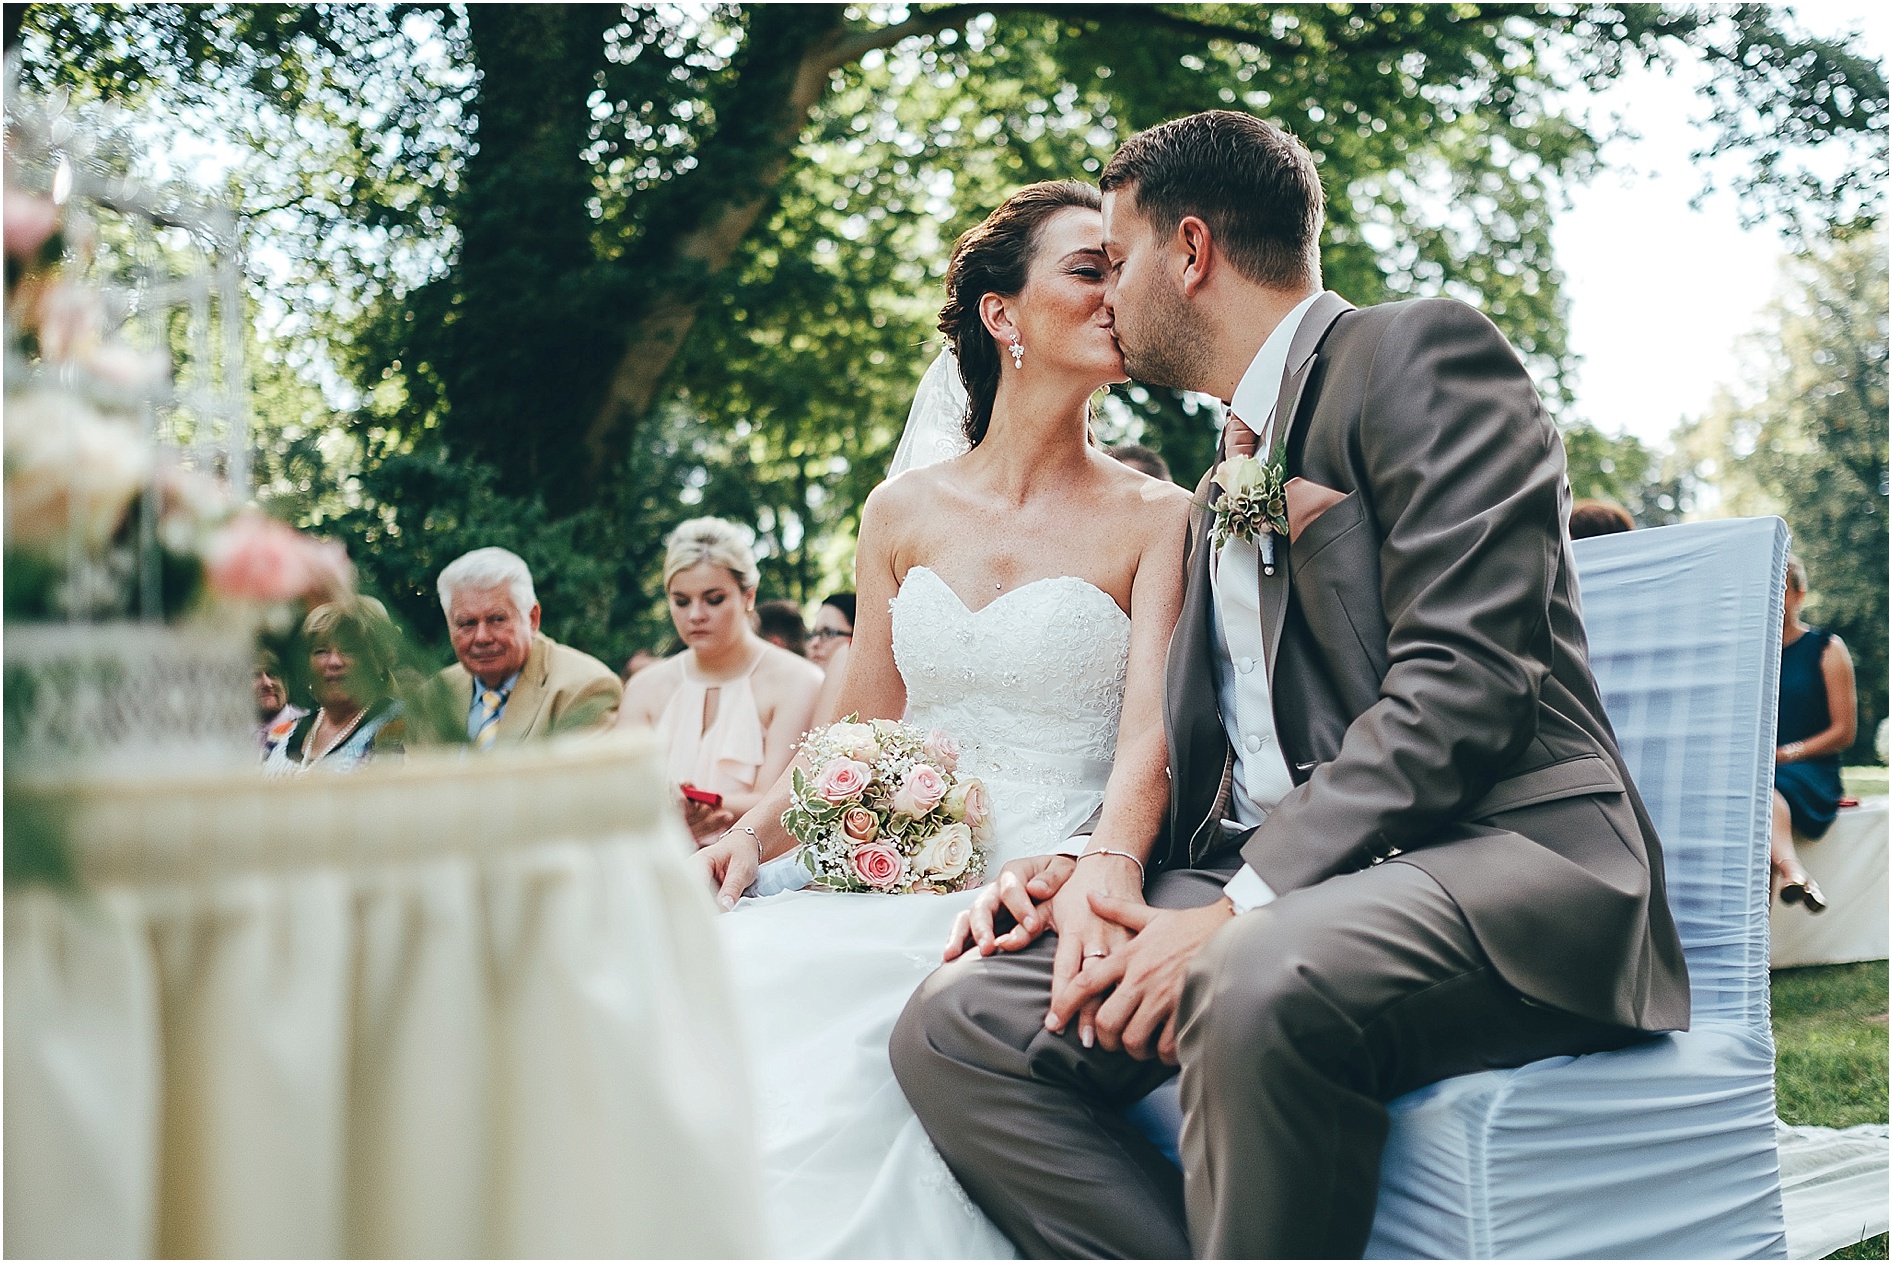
column 1241, row 675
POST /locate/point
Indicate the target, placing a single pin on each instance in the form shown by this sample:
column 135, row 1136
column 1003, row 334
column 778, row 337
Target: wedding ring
column 1095, row 955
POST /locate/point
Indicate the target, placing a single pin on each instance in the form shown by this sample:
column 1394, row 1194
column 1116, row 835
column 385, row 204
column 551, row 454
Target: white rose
column 947, row 853
column 855, row 740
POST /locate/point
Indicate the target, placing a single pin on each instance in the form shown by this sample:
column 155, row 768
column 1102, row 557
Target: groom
column 1402, row 844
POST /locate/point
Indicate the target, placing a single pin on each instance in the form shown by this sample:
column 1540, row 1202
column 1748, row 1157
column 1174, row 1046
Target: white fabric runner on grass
column 1832, row 1186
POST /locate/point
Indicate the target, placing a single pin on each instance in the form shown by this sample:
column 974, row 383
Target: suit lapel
column 1299, row 370
column 1192, row 718
column 529, row 695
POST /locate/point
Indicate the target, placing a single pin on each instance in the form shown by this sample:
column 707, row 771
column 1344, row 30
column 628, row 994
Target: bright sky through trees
column 1662, row 294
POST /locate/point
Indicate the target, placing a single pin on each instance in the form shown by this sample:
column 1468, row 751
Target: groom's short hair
column 1253, row 184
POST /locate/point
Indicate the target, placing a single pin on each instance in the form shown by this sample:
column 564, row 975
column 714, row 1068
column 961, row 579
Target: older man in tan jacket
column 512, row 683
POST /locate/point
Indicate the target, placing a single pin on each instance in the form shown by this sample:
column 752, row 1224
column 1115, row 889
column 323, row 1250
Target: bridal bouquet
column 885, row 811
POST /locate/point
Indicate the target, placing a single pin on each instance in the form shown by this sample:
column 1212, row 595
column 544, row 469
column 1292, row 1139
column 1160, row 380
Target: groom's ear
column 1194, row 246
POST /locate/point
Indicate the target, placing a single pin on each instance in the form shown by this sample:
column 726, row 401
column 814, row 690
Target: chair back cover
column 1684, row 625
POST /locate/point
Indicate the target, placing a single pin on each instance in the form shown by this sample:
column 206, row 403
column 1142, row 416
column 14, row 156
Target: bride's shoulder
column 1155, row 502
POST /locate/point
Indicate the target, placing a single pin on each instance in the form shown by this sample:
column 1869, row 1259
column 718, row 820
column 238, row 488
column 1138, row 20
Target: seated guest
column 834, row 629
column 1817, row 718
column 513, row 683
column 357, row 719
column 779, row 623
column 1599, row 517
column 639, row 659
column 275, row 716
column 1142, row 458
column 731, row 706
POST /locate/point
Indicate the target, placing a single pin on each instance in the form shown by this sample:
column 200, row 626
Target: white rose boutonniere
column 1253, row 505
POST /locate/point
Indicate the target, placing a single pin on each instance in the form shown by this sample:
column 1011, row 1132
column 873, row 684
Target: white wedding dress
column 1032, row 687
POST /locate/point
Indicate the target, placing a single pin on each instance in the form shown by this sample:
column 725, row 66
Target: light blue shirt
column 476, row 713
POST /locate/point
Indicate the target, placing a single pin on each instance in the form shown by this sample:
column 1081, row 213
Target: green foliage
column 1830, row 1044
column 564, row 274
column 1811, row 446
column 1623, row 470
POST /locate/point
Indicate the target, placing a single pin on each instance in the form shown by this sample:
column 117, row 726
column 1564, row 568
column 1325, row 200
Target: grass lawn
column 1863, row 782
column 1830, row 1045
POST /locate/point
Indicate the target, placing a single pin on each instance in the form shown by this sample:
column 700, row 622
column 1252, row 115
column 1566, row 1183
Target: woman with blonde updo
column 731, row 706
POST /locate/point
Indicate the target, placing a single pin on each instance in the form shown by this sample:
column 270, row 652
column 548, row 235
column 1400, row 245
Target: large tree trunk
column 549, row 356
column 522, row 345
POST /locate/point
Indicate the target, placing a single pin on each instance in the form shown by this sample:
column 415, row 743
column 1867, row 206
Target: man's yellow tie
column 490, row 701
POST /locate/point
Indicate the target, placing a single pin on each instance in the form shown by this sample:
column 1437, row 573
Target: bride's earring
column 1018, row 352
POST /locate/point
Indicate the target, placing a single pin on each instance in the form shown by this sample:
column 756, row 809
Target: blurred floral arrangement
column 94, row 507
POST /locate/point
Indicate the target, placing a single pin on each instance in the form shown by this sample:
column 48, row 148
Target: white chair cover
column 1665, row 1149
column 460, row 1008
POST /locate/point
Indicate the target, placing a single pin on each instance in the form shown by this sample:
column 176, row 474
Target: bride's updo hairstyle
column 995, row 258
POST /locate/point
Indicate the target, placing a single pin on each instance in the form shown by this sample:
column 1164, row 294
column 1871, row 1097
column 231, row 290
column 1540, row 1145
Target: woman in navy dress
column 1818, row 714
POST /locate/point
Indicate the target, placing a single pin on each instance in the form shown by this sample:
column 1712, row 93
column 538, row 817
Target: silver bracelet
column 743, row 828
column 1104, row 850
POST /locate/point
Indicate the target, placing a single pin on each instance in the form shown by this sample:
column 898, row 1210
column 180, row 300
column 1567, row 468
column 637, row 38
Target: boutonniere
column 1253, row 505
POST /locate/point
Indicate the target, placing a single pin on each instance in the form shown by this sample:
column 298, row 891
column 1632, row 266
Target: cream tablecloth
column 464, row 1007
column 1850, row 865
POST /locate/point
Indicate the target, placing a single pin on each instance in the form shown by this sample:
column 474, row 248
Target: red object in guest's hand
column 1849, row 802
column 709, row 798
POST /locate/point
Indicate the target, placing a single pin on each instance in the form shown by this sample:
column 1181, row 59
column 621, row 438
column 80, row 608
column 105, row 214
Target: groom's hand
column 1139, row 1017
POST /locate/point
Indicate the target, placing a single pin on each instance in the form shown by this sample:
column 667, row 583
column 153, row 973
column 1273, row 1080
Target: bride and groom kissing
column 1313, row 814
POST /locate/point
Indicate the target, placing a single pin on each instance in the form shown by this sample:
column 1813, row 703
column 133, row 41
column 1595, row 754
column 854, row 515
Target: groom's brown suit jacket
column 1429, row 669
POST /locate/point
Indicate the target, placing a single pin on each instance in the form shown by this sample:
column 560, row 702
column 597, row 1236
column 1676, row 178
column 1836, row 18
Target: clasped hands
column 1120, row 963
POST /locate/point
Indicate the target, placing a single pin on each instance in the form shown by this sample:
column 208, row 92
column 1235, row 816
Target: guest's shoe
column 1804, row 890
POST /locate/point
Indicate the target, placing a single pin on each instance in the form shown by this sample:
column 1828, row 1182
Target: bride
column 1020, row 597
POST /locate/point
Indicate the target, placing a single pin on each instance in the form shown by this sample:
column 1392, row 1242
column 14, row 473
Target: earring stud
column 1018, row 352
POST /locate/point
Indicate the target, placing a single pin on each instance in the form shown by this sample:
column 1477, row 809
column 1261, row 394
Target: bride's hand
column 731, row 863
column 1082, row 934
column 1022, row 889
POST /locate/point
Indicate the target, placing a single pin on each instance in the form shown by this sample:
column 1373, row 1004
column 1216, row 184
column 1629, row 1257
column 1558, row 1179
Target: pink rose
column 942, row 749
column 878, row 864
column 30, row 220
column 843, row 780
column 256, row 558
column 860, row 825
column 920, row 791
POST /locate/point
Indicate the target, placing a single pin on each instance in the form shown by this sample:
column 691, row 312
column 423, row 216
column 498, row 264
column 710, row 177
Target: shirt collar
column 504, row 690
column 1260, row 386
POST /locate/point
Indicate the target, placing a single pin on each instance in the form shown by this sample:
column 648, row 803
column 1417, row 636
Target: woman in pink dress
column 731, row 706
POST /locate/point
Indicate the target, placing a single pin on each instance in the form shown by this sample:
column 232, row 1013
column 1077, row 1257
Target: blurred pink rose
column 125, row 366
column 843, row 780
column 256, row 558
column 30, row 220
column 70, row 321
column 942, row 749
column 860, row 825
column 878, row 864
column 920, row 792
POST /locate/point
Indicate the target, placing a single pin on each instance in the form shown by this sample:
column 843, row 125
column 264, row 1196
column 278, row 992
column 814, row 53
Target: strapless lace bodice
column 1031, row 685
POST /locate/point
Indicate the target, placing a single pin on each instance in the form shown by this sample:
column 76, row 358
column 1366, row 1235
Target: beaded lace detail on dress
column 1031, row 686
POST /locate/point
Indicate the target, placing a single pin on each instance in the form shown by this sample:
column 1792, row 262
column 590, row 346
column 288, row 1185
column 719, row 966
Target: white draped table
column 1850, row 865
column 464, row 1007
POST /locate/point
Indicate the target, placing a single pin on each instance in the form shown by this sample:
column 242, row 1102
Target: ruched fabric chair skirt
column 466, row 1007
